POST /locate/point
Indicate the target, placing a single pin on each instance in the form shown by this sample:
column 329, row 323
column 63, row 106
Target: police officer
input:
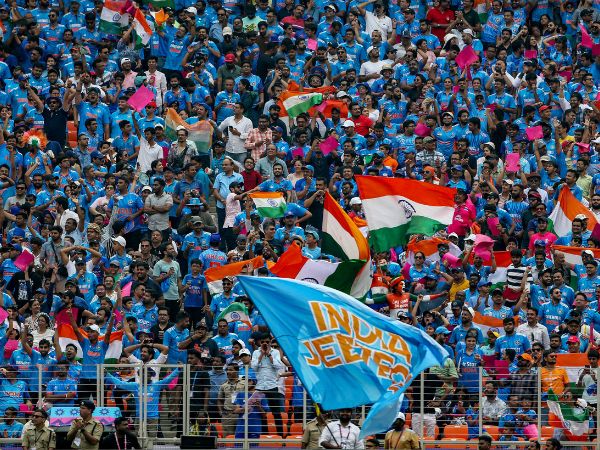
column 313, row 430
column 39, row 436
column 85, row 431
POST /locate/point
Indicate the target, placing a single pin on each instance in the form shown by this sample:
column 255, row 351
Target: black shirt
column 55, row 125
column 129, row 440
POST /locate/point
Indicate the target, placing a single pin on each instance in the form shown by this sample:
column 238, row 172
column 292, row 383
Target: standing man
column 157, row 207
column 85, row 432
column 221, row 188
column 342, row 433
column 39, row 437
column 267, row 364
column 238, row 127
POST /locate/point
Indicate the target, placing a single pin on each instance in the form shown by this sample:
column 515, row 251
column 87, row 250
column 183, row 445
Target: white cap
column 448, row 37
column 468, row 31
column 372, row 48
column 94, row 327
column 508, row 181
column 120, row 240
column 227, row 31
column 180, row 127
column 146, row 188
column 341, row 94
column 471, row 310
column 453, row 235
column 401, row 416
column 491, row 144
column 581, row 217
column 588, row 252
column 355, row 201
column 347, row 123
column 124, row 60
column 471, row 237
column 545, row 158
column 244, row 351
column 191, row 10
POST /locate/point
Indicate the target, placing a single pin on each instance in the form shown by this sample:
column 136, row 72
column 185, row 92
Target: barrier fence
column 163, row 402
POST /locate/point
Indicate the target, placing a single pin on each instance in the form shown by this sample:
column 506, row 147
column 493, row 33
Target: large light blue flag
column 345, row 353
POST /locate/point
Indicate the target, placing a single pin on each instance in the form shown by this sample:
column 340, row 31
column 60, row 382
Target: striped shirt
column 514, row 276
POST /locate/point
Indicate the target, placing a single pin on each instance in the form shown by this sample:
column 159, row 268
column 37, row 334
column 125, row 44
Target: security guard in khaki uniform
column 312, row 433
column 227, row 394
column 85, row 432
column 39, row 437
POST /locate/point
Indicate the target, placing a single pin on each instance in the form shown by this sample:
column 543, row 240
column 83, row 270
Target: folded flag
column 336, row 343
column 269, row 204
column 112, row 21
column 200, row 133
column 234, row 313
column 143, row 31
column 573, row 363
column 214, row 276
column 573, row 419
column 24, row 260
column 341, row 275
column 566, row 209
column 298, row 102
column 396, row 208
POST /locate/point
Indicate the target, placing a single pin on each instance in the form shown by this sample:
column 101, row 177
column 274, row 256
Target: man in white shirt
column 371, row 70
column 266, row 363
column 149, row 150
column 238, row 126
column 376, row 20
column 534, row 331
column 342, row 433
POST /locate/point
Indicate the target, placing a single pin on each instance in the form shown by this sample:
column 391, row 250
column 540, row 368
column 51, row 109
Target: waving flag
column 573, row 254
column 429, row 247
column 574, row 420
column 112, row 20
column 486, row 322
column 298, row 102
column 143, row 31
column 573, row 363
column 335, row 343
column 269, row 204
column 351, row 277
column 199, row 133
column 234, row 313
column 566, row 209
column 396, row 208
column 214, row 276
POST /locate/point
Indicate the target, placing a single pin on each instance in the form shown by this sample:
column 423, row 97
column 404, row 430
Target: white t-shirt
column 232, row 209
column 368, row 67
column 383, row 25
column 148, row 153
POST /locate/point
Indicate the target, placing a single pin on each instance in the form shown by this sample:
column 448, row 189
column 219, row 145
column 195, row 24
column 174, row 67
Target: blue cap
column 484, row 283
column 457, row 167
column 16, row 247
column 194, row 202
column 309, row 167
column 441, row 330
column 18, row 232
column 379, row 153
column 540, row 243
column 215, row 238
column 97, row 154
column 289, row 214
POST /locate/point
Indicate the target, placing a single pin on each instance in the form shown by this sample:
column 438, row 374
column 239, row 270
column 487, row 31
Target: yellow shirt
column 455, row 287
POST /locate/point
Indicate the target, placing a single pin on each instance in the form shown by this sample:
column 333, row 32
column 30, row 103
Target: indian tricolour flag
column 214, row 276
column 566, row 209
column 484, row 323
column 343, row 239
column 573, row 363
column 298, row 102
column 111, row 19
column 66, row 336
column 143, row 30
column 396, row 208
column 234, row 313
column 575, row 421
column 429, row 247
column 200, row 133
column 269, row 204
column 573, row 254
column 293, row 264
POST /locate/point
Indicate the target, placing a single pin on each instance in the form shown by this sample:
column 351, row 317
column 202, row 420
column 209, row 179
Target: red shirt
column 251, row 179
column 362, row 125
column 436, row 16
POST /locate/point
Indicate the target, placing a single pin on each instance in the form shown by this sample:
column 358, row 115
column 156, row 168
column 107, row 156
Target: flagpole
column 246, row 409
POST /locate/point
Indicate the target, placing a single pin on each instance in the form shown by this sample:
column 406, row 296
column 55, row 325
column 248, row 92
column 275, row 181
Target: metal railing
column 443, row 411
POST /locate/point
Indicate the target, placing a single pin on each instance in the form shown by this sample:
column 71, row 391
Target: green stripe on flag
column 383, row 239
column 273, row 212
column 307, row 102
column 344, row 275
column 330, row 246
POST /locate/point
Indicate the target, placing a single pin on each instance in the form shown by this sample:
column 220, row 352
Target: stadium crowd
column 111, row 215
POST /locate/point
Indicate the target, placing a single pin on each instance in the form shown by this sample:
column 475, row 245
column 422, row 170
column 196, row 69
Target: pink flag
column 24, row 259
column 328, row 145
column 126, row 290
column 455, row 89
column 298, row 151
column 596, row 50
column 451, row 261
column 466, row 57
column 586, row 39
column 492, row 223
column 583, row 148
column 312, row 44
column 530, row 54
column 566, row 74
column 512, row 162
column 3, row 315
column 422, row 130
column 492, row 106
column 534, row 133
column 483, row 247
column 141, row 98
